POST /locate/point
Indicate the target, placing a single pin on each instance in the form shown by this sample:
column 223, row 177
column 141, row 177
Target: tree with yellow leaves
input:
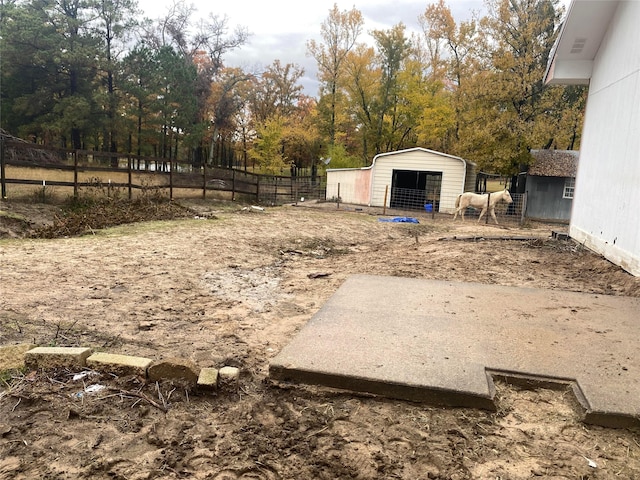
column 339, row 33
column 267, row 147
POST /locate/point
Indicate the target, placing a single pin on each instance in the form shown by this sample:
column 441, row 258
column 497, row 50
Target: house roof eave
column 583, row 29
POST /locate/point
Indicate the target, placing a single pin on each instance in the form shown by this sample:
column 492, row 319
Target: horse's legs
column 460, row 210
column 484, row 210
column 493, row 214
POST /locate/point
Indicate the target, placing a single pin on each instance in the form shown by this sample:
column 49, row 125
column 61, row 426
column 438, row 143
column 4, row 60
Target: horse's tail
column 458, row 201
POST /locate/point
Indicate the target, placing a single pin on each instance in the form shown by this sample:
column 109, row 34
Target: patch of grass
column 495, row 185
column 13, row 216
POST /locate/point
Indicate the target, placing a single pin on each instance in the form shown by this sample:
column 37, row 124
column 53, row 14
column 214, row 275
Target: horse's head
column 507, row 196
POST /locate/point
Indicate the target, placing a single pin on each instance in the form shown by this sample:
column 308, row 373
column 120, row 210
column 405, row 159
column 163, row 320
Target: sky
column 280, row 29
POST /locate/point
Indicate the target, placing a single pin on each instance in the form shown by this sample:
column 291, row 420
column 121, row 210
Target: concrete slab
column 443, row 342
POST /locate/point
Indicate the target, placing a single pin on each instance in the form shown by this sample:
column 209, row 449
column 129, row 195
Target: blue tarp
column 399, row 220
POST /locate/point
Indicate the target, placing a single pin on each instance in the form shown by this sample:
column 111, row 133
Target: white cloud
column 280, row 29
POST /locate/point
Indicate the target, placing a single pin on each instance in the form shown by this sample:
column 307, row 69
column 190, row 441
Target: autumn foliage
column 93, row 76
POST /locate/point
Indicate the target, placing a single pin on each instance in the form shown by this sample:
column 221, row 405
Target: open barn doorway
column 411, row 189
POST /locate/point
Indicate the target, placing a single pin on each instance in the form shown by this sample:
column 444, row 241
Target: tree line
column 94, row 74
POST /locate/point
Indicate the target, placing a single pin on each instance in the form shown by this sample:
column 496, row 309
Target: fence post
column 129, row 176
column 338, row 202
column 384, row 205
column 204, row 179
column 258, row 189
column 170, row 179
column 294, row 189
column 75, row 174
column 3, row 178
column 275, row 192
column 523, row 208
column 233, row 185
column 486, row 217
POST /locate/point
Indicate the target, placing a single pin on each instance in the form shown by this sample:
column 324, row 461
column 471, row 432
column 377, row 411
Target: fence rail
column 79, row 169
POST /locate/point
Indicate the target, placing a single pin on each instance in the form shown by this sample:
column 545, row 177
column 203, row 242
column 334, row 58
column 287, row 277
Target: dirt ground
column 231, row 286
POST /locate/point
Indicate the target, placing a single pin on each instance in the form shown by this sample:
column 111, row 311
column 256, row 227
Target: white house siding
column 352, row 185
column 453, row 171
column 606, row 206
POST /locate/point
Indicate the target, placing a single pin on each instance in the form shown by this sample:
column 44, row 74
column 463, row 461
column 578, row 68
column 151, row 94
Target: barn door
column 433, row 186
column 411, row 189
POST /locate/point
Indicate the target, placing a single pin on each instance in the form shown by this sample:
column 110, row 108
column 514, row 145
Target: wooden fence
column 79, row 169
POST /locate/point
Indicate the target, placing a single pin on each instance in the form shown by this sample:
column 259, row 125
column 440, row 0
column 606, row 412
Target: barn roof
column 407, row 150
column 420, row 149
column 554, row 163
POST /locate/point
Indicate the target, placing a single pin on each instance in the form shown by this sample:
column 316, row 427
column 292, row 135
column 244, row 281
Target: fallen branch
column 139, row 395
column 474, row 238
column 318, row 275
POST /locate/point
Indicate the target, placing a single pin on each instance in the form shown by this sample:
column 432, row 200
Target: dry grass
column 110, row 182
column 495, row 185
column 56, row 194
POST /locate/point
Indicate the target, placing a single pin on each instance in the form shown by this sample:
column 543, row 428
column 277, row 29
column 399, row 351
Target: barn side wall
column 607, row 194
column 354, row 185
column 544, row 199
column 470, row 178
column 452, row 169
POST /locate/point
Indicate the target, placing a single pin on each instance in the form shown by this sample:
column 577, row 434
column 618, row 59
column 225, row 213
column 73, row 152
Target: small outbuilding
column 550, row 183
column 415, row 178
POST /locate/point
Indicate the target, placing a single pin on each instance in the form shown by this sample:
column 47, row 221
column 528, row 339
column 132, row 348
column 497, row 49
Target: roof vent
column 578, row 45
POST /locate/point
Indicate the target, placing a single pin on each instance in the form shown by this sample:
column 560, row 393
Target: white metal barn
column 599, row 45
column 404, row 179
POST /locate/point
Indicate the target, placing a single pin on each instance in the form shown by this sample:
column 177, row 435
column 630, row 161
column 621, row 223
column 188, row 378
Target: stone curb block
column 208, row 379
column 228, row 378
column 174, row 369
column 56, row 357
column 12, row 356
column 119, row 364
column 225, row 378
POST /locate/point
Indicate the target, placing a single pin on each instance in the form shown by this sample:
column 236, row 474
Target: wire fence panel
column 276, row 190
column 425, row 203
column 408, row 200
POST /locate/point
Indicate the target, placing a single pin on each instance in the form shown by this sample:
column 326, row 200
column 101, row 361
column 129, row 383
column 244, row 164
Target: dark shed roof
column 554, row 163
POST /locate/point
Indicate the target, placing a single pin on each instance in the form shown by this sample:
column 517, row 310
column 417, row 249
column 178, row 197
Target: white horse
column 483, row 201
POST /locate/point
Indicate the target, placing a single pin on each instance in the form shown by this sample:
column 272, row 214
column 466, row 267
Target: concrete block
column 57, row 357
column 12, row 356
column 559, row 235
column 174, row 369
column 228, row 378
column 208, row 379
column 119, row 364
